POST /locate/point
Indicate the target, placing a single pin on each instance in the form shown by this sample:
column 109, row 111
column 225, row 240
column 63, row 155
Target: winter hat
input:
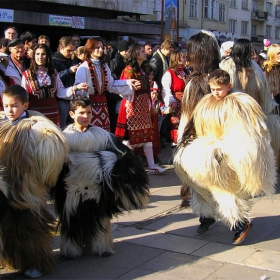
column 123, row 45
column 263, row 55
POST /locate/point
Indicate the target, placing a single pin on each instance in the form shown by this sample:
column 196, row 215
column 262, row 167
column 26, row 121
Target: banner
column 60, row 21
column 170, row 13
column 6, row 15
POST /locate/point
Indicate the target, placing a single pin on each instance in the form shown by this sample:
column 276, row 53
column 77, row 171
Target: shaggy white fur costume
column 32, row 154
column 104, row 177
column 231, row 159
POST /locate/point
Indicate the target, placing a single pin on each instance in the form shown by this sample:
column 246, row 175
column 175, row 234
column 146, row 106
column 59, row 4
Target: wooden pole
column 177, row 25
column 162, row 14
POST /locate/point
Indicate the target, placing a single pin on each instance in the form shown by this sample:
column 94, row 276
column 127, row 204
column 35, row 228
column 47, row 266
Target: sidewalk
column 162, row 243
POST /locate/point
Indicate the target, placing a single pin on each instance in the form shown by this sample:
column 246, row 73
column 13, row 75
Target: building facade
column 143, row 20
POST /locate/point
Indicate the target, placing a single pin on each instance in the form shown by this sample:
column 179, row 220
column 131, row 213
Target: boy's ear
column 25, row 105
column 72, row 115
column 229, row 86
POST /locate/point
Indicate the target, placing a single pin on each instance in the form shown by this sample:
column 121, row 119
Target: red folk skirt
column 175, row 117
column 46, row 106
column 134, row 120
column 100, row 112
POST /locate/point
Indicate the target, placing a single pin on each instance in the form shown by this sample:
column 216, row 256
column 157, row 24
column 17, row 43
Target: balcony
column 257, row 39
column 259, row 15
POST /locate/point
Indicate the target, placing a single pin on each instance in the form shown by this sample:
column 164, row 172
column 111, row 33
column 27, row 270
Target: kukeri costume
column 253, row 82
column 32, row 153
column 104, row 178
column 228, row 159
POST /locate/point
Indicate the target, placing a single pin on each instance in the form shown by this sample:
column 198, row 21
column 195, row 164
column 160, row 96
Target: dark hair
column 48, row 65
column 27, row 36
column 219, row 76
column 90, row 45
column 79, row 101
column 203, row 53
column 241, row 54
column 65, row 41
column 43, row 37
column 4, row 42
column 131, row 56
column 17, row 91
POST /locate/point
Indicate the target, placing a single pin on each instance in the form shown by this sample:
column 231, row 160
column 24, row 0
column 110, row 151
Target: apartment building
column 109, row 19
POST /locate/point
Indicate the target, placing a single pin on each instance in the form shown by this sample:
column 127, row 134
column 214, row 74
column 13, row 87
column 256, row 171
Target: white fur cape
column 230, row 160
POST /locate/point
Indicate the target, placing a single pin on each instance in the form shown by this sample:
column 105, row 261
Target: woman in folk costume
column 43, row 84
column 203, row 56
column 134, row 124
column 32, row 154
column 173, row 86
column 96, row 73
column 247, row 76
column 104, row 177
column 226, row 159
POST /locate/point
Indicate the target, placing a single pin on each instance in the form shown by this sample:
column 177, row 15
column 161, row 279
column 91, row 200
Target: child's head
column 81, row 112
column 219, row 83
column 15, row 101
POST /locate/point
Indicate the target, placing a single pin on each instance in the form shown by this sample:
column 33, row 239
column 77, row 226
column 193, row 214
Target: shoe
column 204, row 226
column 156, row 170
column 106, row 254
column 33, row 273
column 240, row 235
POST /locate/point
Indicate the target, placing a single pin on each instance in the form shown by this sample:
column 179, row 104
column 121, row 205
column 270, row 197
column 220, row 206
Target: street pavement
column 162, row 243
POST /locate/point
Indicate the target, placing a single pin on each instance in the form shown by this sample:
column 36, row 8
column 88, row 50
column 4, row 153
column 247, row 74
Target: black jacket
column 62, row 66
column 117, row 65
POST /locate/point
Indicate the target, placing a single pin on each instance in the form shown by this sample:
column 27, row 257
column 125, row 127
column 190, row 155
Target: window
column 269, row 8
column 254, row 30
column 244, row 27
column 254, row 6
column 193, row 8
column 268, row 29
column 277, row 11
column 209, row 9
column 277, row 32
column 233, row 3
column 222, row 12
column 232, row 25
column 245, row 4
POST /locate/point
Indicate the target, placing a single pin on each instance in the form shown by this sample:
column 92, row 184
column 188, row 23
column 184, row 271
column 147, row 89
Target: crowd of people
column 102, row 106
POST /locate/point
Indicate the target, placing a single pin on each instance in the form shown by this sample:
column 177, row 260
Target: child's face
column 82, row 117
column 219, row 91
column 13, row 107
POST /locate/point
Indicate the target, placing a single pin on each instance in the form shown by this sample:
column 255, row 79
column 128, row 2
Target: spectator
column 43, row 84
column 155, row 47
column 17, row 62
column 76, row 40
column 96, row 73
column 4, row 46
column 134, row 125
column 112, row 49
column 148, row 51
column 44, row 39
column 160, row 62
column 79, row 54
column 66, row 68
column 10, row 33
column 30, row 41
column 226, row 49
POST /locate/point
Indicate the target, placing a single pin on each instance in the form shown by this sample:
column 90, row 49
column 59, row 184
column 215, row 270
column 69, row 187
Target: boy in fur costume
column 32, row 153
column 104, row 178
column 225, row 157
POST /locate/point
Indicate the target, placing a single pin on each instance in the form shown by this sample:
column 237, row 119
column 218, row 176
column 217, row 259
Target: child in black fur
column 104, row 178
